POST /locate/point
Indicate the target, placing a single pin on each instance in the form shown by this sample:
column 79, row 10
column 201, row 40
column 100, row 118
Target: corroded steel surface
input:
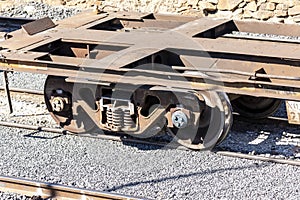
column 130, row 72
column 98, row 42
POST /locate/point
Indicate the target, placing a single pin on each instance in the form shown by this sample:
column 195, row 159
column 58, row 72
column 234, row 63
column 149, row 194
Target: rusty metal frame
column 241, row 65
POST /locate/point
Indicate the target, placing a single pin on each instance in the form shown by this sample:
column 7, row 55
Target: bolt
column 58, row 104
column 179, row 119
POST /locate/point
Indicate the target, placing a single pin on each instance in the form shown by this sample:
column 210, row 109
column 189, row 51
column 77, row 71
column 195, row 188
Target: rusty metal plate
column 293, row 111
column 38, row 26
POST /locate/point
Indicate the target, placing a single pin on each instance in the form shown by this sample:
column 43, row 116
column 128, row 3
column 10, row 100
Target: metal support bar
column 7, row 92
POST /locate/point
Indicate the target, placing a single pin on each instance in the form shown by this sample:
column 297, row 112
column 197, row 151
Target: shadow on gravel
column 33, row 135
column 269, row 136
column 143, row 147
column 182, row 176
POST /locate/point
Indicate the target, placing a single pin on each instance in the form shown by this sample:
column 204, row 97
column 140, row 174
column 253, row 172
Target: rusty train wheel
column 212, row 126
column 255, row 107
column 72, row 112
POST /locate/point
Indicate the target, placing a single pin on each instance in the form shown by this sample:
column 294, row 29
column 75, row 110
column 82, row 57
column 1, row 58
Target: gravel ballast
column 140, row 170
column 38, row 10
column 143, row 170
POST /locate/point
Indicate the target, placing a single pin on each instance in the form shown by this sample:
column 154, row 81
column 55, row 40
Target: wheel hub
column 179, row 119
column 58, row 104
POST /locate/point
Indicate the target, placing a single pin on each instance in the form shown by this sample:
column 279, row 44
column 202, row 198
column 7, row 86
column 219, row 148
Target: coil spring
column 109, row 115
column 117, row 118
column 128, row 122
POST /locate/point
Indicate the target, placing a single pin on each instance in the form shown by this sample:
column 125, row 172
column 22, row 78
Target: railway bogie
column 141, row 74
column 141, row 112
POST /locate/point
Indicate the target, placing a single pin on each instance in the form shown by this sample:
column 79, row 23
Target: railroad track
column 54, row 191
column 128, row 139
column 159, row 144
column 20, row 90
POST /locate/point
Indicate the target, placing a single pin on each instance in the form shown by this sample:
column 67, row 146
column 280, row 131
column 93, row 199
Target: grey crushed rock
column 157, row 174
column 27, row 80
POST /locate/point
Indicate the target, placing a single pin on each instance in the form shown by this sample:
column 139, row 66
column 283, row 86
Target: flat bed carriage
column 139, row 73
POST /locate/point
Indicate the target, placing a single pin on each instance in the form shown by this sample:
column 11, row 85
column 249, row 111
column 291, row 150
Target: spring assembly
column 117, row 118
column 128, row 122
column 118, row 114
column 109, row 116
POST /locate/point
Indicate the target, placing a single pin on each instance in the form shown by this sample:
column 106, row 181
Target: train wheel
column 211, row 127
column 73, row 112
column 255, row 107
column 228, row 116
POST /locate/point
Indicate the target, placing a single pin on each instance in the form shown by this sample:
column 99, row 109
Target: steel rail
column 262, row 38
column 7, row 91
column 22, row 90
column 50, row 190
column 257, row 157
column 117, row 138
column 120, row 138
